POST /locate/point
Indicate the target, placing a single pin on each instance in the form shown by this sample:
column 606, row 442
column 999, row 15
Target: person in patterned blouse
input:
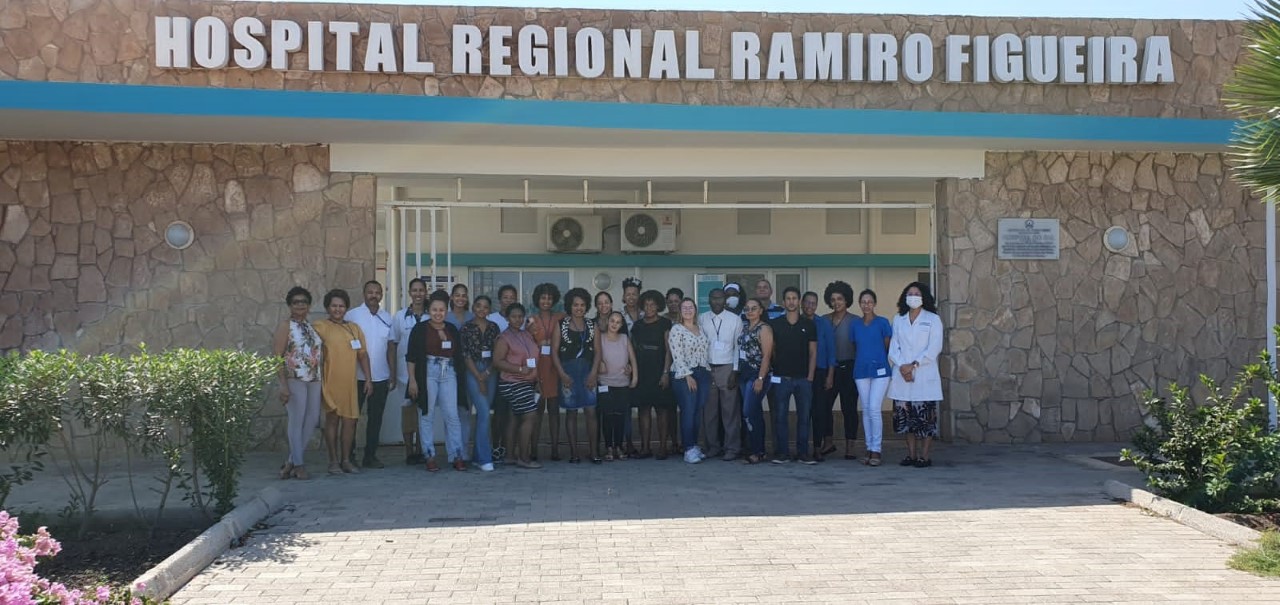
column 297, row 342
column 574, row 344
column 478, row 338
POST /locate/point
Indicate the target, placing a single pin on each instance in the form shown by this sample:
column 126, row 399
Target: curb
column 171, row 574
column 1219, row 528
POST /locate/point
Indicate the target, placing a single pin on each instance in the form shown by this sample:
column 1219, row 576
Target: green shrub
column 191, row 408
column 32, row 391
column 1219, row 456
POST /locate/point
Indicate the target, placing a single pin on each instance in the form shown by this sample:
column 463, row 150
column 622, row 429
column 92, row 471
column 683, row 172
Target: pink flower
column 103, row 594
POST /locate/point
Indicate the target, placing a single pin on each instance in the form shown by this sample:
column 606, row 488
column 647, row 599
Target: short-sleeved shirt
column 843, row 339
column 873, row 359
column 452, row 319
column 791, row 346
column 377, row 333
column 475, row 343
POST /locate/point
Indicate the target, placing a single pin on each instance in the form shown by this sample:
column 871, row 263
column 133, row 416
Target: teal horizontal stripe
column 288, row 104
column 709, row 261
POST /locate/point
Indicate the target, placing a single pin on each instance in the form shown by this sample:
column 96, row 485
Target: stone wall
column 111, row 41
column 83, row 264
column 1061, row 350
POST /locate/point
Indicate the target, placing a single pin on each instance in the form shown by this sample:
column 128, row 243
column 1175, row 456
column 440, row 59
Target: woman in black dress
column 653, row 358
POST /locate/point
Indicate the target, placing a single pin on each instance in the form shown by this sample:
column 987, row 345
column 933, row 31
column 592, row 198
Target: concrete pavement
column 986, row 524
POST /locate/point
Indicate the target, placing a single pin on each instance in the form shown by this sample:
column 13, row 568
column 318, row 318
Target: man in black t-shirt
column 795, row 354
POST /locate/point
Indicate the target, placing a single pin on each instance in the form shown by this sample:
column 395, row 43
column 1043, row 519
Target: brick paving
column 986, row 525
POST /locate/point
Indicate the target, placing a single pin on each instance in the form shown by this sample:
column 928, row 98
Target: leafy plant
column 1263, row 560
column 32, row 391
column 101, row 407
column 1219, row 456
column 1253, row 94
column 222, row 392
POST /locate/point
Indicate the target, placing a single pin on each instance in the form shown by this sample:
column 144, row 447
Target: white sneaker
column 701, row 456
column 487, row 467
column 691, row 456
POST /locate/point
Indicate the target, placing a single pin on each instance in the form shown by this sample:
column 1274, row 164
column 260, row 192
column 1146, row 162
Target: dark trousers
column 377, row 404
column 824, row 402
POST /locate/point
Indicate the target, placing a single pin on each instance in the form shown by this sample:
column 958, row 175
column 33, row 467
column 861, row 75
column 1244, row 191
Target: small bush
column 1220, row 456
column 1263, row 560
column 32, row 392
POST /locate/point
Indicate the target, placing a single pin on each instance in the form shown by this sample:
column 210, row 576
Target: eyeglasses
column 299, row 301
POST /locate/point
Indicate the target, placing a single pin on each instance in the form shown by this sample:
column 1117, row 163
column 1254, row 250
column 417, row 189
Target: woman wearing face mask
column 916, row 385
column 871, row 335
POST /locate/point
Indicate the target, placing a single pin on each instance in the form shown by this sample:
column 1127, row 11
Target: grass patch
column 1262, row 560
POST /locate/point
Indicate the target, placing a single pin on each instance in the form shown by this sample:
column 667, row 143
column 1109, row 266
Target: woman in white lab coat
column 916, row 385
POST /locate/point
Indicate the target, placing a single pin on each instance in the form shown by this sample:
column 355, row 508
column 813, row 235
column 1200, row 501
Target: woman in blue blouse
column 871, row 337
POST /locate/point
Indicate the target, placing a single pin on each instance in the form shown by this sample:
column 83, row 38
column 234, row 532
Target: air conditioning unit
column 649, row 231
column 575, row 233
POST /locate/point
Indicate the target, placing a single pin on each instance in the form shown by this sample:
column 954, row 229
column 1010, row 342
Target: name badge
column 775, row 379
column 546, row 349
column 742, row 354
column 446, row 345
column 486, row 354
column 355, row 344
column 531, row 362
column 720, row 346
column 881, row 372
column 602, row 389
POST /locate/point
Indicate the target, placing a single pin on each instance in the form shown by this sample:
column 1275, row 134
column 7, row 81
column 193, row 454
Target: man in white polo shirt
column 724, row 410
column 375, row 322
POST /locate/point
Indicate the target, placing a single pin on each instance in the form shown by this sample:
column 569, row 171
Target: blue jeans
column 482, row 403
column 753, row 409
column 691, row 404
column 442, row 398
column 782, row 392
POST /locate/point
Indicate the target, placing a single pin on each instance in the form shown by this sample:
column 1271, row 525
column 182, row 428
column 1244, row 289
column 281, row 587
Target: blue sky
column 1139, row 9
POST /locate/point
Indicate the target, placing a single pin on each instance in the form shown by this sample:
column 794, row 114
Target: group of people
column 697, row 382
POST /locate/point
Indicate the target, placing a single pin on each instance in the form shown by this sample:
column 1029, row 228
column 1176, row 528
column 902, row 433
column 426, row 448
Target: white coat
column 921, row 342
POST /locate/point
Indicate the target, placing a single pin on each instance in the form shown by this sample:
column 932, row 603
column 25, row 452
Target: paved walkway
column 986, row 525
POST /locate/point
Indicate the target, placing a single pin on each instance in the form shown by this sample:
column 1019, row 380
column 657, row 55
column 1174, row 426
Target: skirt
column 919, row 418
column 577, row 396
column 522, row 396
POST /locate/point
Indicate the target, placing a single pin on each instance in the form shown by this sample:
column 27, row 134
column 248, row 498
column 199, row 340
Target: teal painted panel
column 709, row 261
column 249, row 103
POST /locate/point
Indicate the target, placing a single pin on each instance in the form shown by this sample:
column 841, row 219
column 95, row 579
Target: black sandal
column 908, row 461
column 924, row 462
column 753, row 459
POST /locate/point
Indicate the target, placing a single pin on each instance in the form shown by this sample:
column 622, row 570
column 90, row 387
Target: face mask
column 731, row 302
column 915, row 302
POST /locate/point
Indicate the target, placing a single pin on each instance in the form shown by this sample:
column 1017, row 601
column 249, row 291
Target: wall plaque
column 1027, row 239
